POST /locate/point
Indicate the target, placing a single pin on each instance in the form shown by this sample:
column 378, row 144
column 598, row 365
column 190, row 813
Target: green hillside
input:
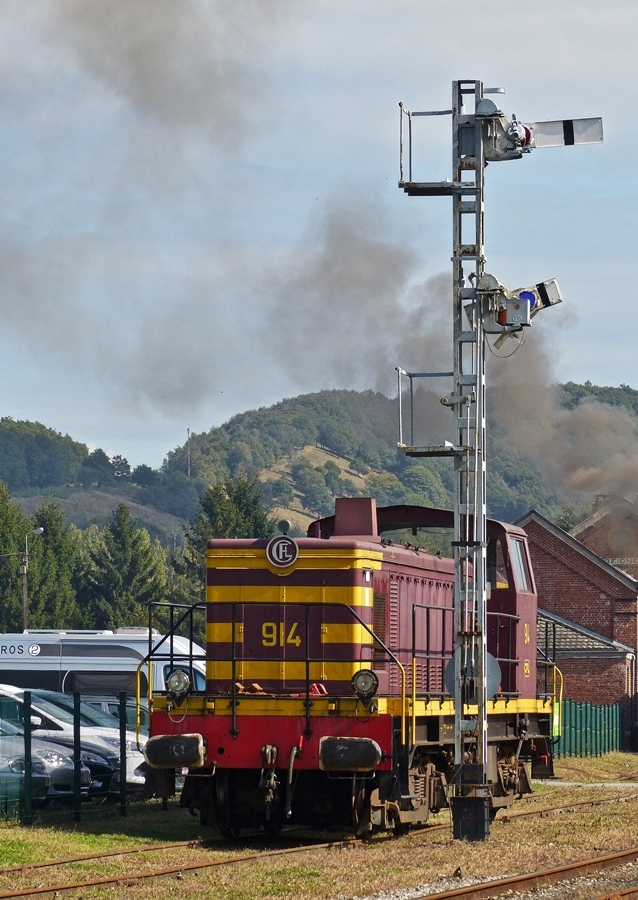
column 305, row 451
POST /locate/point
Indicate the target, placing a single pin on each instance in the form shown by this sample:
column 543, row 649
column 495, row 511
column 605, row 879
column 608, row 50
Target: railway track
column 474, row 892
column 518, row 884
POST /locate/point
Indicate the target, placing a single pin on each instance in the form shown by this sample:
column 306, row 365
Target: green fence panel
column 590, row 729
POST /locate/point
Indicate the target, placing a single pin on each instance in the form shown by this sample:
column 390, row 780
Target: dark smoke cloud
column 347, row 311
column 192, row 64
column 590, row 449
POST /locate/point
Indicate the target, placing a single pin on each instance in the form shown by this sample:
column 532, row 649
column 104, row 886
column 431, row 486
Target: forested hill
column 291, row 444
column 305, row 451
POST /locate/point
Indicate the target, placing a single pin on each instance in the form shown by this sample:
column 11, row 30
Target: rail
column 406, row 112
column 401, row 373
column 307, row 659
column 501, row 629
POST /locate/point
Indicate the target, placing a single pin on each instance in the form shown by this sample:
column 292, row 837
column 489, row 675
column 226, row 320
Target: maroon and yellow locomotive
column 326, row 698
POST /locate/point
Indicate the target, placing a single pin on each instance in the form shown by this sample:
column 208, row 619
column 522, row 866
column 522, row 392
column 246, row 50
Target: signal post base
column 471, row 818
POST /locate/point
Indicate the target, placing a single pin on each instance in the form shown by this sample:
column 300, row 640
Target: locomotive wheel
column 224, row 805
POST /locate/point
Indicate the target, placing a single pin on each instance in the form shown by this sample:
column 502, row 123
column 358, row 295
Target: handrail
column 557, row 706
column 320, row 603
column 189, row 610
column 413, row 699
column 443, row 655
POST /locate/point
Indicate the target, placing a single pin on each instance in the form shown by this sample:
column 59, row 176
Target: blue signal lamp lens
column 527, row 295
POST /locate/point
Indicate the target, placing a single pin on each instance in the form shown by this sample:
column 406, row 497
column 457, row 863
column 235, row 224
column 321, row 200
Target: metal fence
column 24, row 781
column 590, row 730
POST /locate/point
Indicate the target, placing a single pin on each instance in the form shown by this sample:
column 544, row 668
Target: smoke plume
column 192, row 64
column 591, row 448
column 348, row 311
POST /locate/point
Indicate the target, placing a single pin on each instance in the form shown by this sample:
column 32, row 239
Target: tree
column 121, row 467
column 13, row 528
column 145, row 476
column 123, row 571
column 52, row 561
column 277, row 492
column 312, row 485
column 385, row 488
column 96, row 469
column 32, row 455
column 231, row 508
column 425, row 486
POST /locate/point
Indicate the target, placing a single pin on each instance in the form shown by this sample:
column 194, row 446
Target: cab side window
column 519, row 564
column 496, row 570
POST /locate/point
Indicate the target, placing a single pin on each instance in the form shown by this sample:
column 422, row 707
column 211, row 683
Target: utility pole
column 188, row 452
column 24, row 568
column 481, row 306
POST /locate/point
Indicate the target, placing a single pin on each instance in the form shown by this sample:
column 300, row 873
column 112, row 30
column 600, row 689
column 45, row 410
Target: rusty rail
column 489, row 889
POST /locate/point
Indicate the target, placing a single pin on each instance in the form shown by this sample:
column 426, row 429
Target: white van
column 96, row 661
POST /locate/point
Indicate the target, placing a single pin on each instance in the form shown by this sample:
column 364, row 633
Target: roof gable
column 614, row 507
column 621, row 577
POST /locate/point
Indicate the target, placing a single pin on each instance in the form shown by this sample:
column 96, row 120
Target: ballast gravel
column 588, row 887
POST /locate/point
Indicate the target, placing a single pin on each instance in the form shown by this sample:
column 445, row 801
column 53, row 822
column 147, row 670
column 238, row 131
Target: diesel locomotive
column 328, row 697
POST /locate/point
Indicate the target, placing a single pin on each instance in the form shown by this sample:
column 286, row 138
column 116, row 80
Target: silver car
column 50, row 759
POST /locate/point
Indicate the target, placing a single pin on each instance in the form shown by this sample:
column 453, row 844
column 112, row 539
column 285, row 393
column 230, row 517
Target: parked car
column 92, row 714
column 12, row 769
column 110, row 704
column 54, row 759
column 56, row 723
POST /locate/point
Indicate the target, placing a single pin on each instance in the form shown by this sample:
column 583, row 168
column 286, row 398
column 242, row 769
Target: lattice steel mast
column 480, row 305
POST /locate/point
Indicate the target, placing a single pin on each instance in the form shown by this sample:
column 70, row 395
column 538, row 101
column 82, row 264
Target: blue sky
column 199, row 211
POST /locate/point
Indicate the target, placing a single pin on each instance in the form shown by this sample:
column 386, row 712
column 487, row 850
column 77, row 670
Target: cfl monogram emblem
column 282, row 551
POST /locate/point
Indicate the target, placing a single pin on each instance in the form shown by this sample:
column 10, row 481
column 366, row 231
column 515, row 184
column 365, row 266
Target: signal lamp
column 178, row 684
column 365, row 684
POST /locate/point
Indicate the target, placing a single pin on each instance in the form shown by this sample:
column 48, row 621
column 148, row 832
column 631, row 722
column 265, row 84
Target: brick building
column 578, row 586
column 612, row 532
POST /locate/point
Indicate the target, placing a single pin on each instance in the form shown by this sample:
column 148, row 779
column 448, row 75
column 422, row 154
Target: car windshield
column 88, row 714
column 51, row 709
column 9, row 730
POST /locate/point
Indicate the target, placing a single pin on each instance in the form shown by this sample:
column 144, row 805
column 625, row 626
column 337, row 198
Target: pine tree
column 13, row 528
column 231, row 508
column 123, row 571
column 52, row 561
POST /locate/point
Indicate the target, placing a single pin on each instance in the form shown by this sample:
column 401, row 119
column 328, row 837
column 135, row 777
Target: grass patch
column 614, row 766
column 424, row 861
column 102, row 829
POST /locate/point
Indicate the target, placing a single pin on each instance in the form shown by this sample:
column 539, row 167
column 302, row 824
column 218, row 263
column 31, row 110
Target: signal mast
column 481, row 305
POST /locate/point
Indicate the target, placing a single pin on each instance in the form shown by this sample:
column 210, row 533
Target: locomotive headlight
column 178, row 684
column 365, row 684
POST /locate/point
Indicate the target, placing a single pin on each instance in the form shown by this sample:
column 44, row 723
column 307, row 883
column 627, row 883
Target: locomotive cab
column 326, row 700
